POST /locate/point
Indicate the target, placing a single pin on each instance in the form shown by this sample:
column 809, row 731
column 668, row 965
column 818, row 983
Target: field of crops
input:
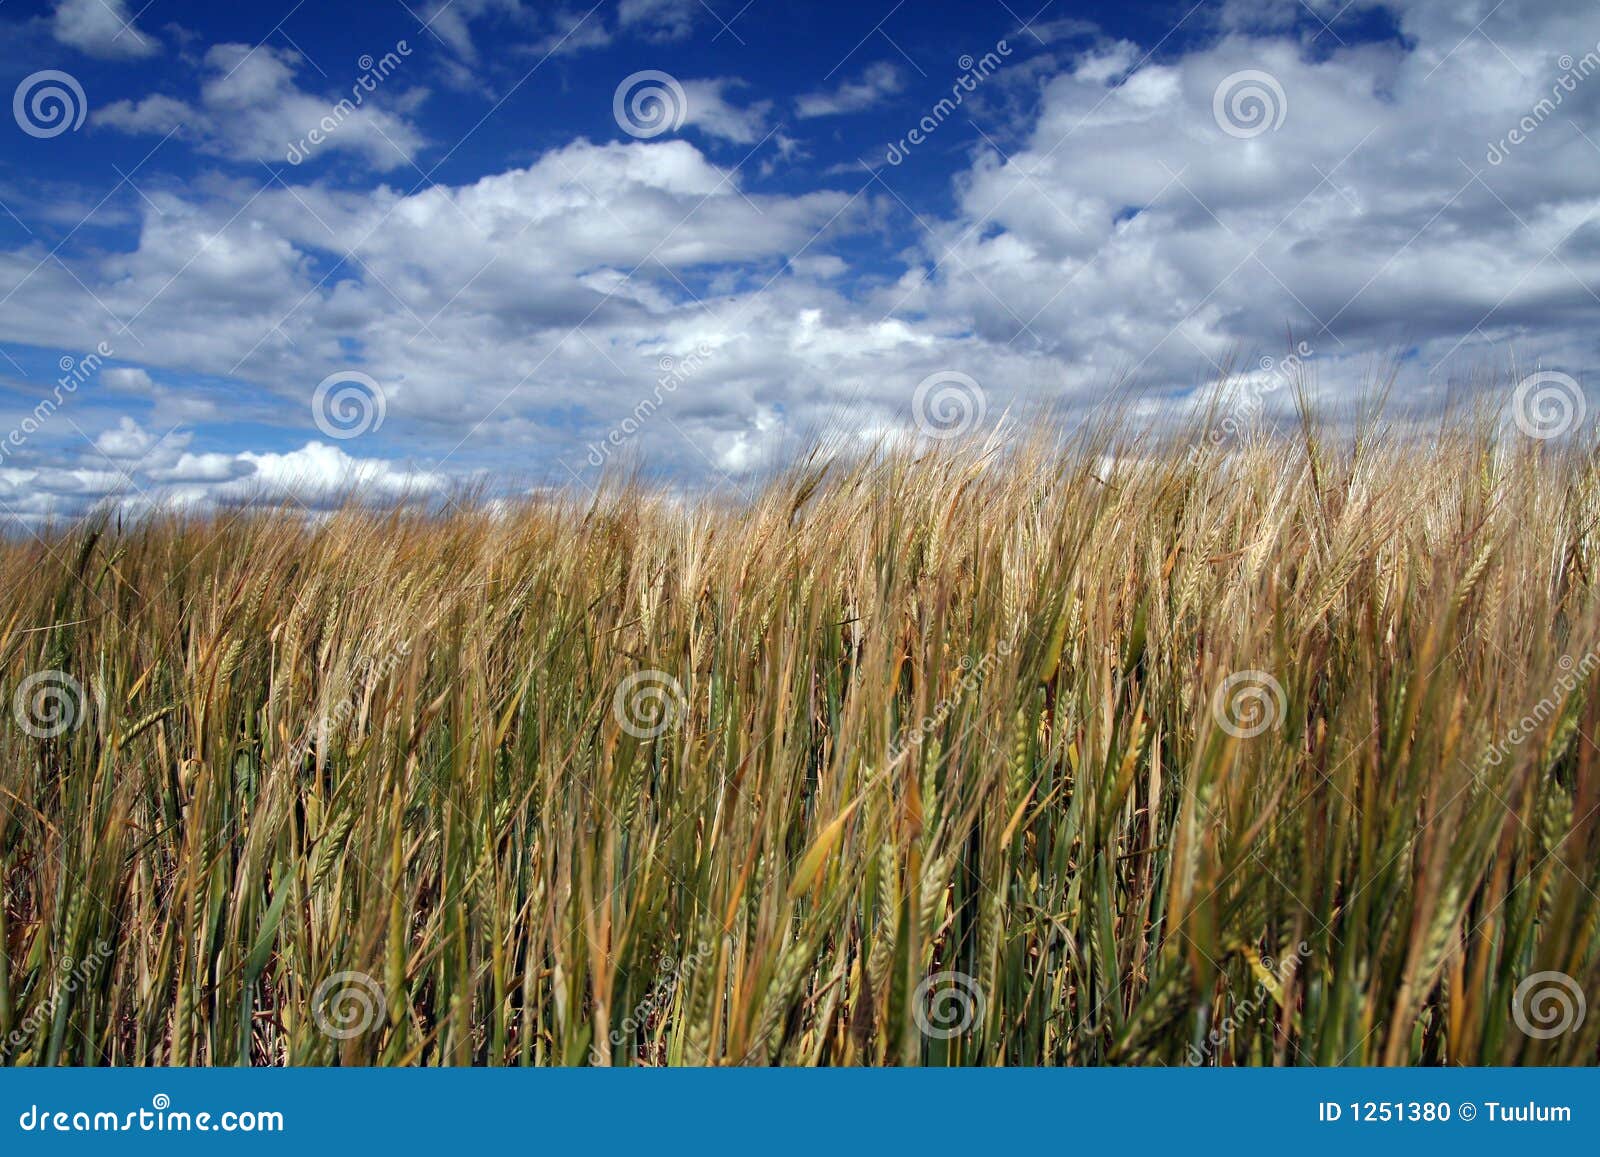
column 1105, row 753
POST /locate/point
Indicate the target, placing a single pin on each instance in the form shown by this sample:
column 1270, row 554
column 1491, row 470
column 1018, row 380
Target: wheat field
column 1114, row 751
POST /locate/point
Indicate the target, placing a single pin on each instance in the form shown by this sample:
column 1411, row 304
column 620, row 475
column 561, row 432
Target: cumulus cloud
column 156, row 113
column 611, row 299
column 317, row 474
column 102, row 28
column 127, row 440
column 522, row 309
column 1370, row 219
column 130, row 379
column 250, row 107
column 129, row 466
column 710, row 111
column 209, row 467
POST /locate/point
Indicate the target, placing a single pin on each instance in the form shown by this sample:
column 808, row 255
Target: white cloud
column 1058, row 29
column 127, row 379
column 251, row 108
column 571, row 31
column 485, row 310
column 529, row 30
column 607, row 299
column 658, row 19
column 823, row 266
column 880, row 80
column 710, row 112
column 318, row 473
column 450, row 21
column 156, row 113
column 132, row 468
column 102, row 28
column 127, row 440
column 211, row 467
column 1131, row 233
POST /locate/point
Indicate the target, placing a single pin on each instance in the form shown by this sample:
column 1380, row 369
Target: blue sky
column 406, row 244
